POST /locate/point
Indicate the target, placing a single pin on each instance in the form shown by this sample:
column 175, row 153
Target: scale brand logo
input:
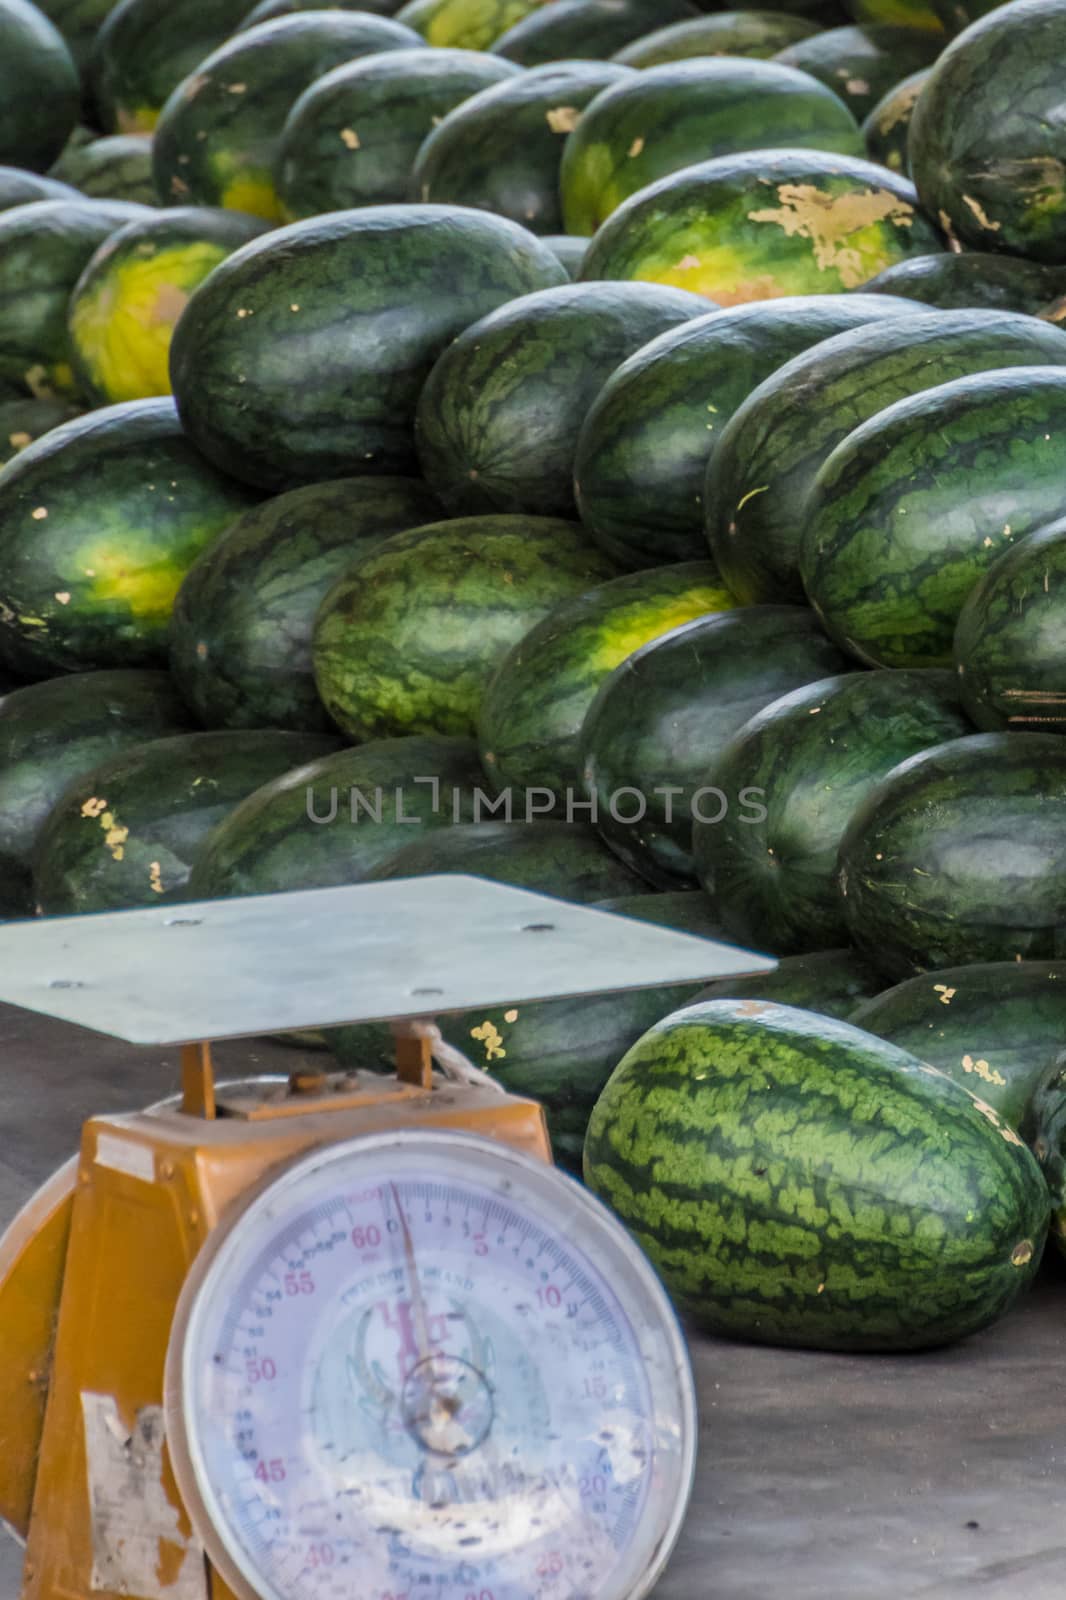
column 628, row 807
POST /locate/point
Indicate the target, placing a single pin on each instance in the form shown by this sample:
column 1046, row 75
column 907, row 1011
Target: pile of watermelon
column 615, row 447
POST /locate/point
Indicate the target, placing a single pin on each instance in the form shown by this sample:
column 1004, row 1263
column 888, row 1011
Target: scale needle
column 418, row 1304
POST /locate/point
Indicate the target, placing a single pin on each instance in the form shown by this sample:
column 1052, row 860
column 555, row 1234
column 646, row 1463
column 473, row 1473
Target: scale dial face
column 421, row 1366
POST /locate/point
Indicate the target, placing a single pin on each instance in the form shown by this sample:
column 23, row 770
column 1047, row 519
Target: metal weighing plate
column 316, row 958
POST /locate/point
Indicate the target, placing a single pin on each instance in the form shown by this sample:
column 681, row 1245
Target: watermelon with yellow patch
column 217, row 139
column 99, row 522
column 764, row 223
column 126, row 303
column 465, row 24
column 44, row 248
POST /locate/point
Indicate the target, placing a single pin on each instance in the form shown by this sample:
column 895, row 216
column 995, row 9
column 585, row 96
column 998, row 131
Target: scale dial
column 422, row 1366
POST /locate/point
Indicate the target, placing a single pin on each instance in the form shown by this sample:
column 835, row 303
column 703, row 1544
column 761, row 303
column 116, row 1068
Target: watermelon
column 267, row 10
column 887, row 124
column 99, row 522
column 78, row 21
column 351, row 139
column 44, row 246
column 890, row 553
column 125, row 306
column 757, row 34
column 669, row 117
column 1010, row 643
column 1045, row 1129
column 568, row 250
column 464, row 24
column 562, row 859
column 797, row 1181
column 975, row 279
column 662, row 717
column 642, row 451
column 337, row 819
column 831, row 982
column 992, row 1026
column 987, row 140
column 500, row 150
column 898, row 13
column 408, row 638
column 590, row 30
column 21, row 188
column 497, row 422
column 50, row 733
column 762, row 470
column 560, row 1052
column 219, row 134
column 280, row 395
column 126, row 833
column 811, row 758
column 861, row 64
column 535, row 703
column 145, row 48
column 23, row 421
column 959, row 855
column 955, row 15
column 240, row 635
column 764, row 223
column 116, row 168
column 38, row 87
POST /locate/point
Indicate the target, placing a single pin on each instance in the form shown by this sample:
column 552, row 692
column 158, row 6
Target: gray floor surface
column 820, row 1477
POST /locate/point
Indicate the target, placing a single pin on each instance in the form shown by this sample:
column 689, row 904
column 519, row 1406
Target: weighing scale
column 342, row 1336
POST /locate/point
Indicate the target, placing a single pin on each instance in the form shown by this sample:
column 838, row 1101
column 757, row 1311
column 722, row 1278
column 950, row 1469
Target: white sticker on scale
column 121, row 1155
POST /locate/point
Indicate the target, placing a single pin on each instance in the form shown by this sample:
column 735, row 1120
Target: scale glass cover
column 422, row 1366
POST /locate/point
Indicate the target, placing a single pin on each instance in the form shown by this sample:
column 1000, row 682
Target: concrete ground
column 820, row 1477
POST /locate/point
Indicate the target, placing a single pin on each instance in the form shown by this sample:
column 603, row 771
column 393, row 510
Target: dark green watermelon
column 900, row 13
column 1045, row 1129
column 955, row 15
column 497, row 422
column 38, row 87
column 762, row 471
column 23, row 421
column 757, row 34
column 831, row 982
column 44, row 247
column 352, row 137
column 1010, row 643
column 126, row 833
column 560, row 1052
column 338, row 819
column 501, row 149
column 862, row 63
column 974, row 279
column 762, row 224
column 50, row 733
column 662, row 717
column 797, row 1181
column 592, row 30
column 127, row 302
column 568, row 250
column 959, row 855
column 888, row 123
column 811, row 758
column 145, row 48
column 408, row 638
column 464, row 24
column 240, row 634
column 666, row 118
column 21, row 188
column 562, row 859
column 642, row 452
column 267, row 10
column 988, row 141
column 993, row 1026
column 915, row 505
column 78, row 21
column 281, row 396
column 537, row 699
column 99, row 522
column 219, row 134
column 115, row 168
